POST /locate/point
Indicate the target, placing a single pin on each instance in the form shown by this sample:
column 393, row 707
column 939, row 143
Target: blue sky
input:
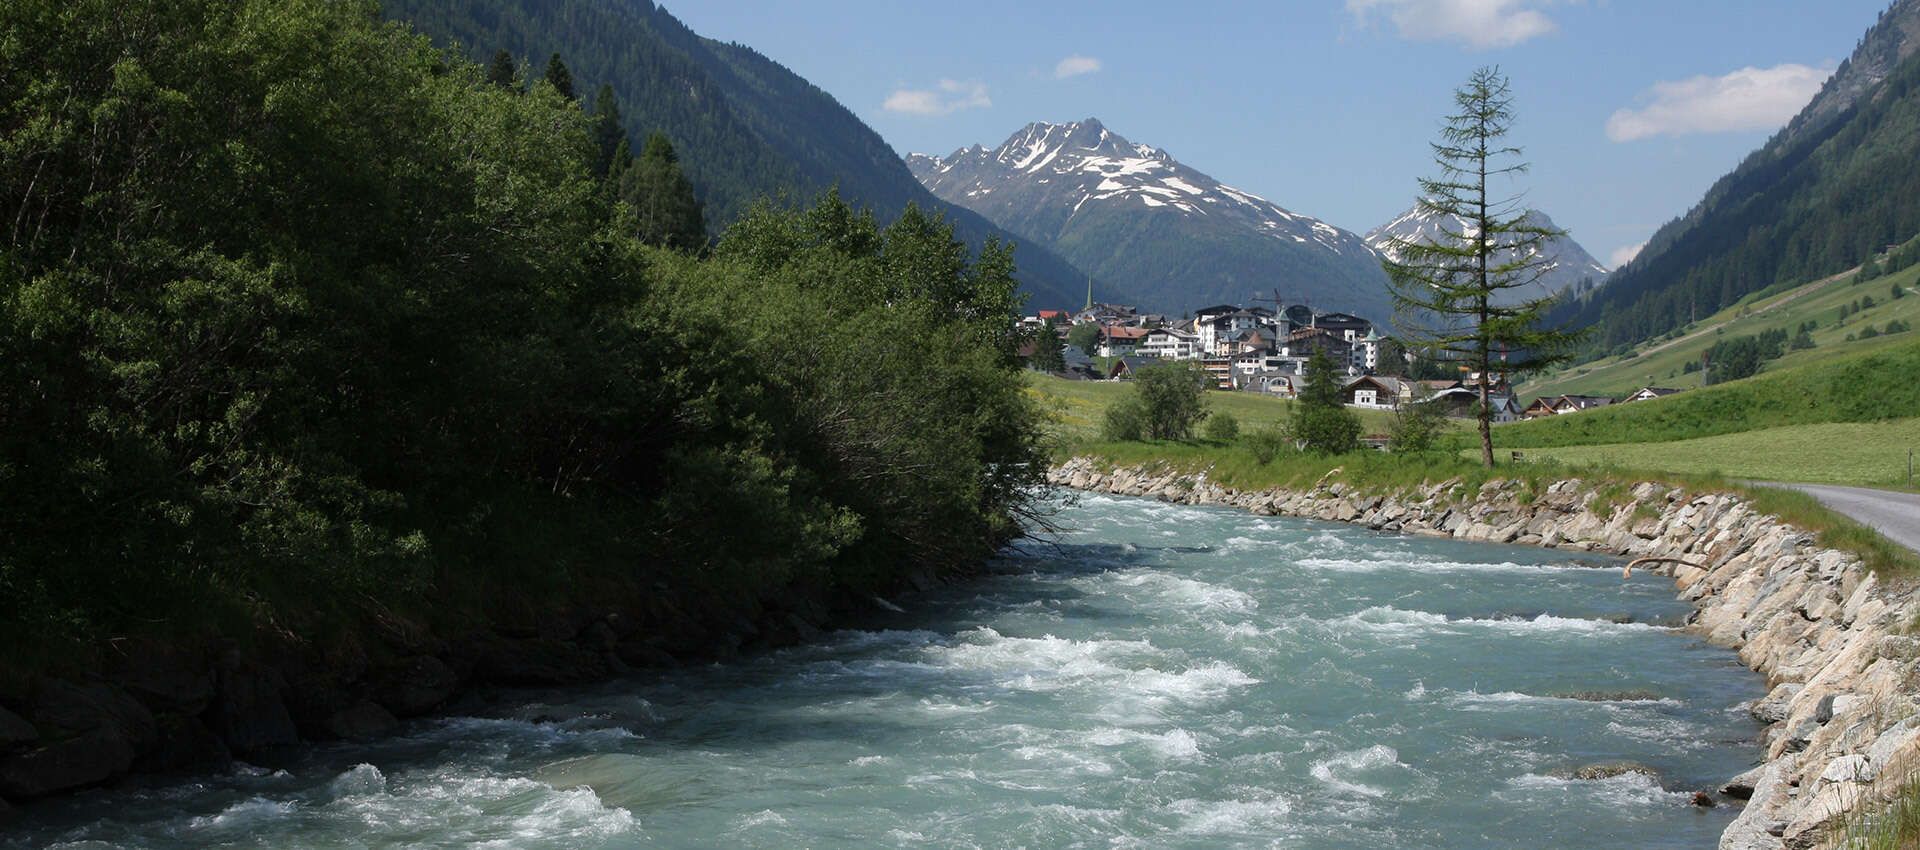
column 1628, row 109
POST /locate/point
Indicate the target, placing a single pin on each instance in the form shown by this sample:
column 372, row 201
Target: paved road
column 1896, row 515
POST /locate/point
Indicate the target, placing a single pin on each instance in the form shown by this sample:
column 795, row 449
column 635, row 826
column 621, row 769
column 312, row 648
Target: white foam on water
column 1398, row 621
column 1622, row 791
column 1174, row 745
column 1515, row 698
column 1343, row 771
column 764, row 817
column 1188, row 593
column 247, row 815
column 1231, row 817
column 363, row 780
column 1412, row 564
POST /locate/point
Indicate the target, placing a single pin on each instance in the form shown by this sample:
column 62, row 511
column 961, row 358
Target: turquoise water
column 1165, row 676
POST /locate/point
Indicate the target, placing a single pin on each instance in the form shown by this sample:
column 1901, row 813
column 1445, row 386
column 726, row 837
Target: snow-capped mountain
column 1135, row 216
column 1568, row 263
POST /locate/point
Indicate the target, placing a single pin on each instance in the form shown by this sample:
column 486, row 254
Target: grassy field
column 1661, row 362
column 1860, row 454
column 1236, row 466
column 1079, row 406
column 1877, row 385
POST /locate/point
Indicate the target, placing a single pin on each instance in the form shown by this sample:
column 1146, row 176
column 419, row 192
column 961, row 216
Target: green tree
column 1223, row 427
column 665, row 210
column 502, row 72
column 1452, row 291
column 1320, row 421
column 1897, row 292
column 560, row 78
column 1416, row 423
column 1046, row 349
column 1393, row 358
column 1172, row 399
column 1084, row 336
column 609, row 136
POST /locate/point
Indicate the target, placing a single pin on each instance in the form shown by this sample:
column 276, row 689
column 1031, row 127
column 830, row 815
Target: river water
column 1164, row 676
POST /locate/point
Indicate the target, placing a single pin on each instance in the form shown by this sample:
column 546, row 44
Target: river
column 1161, row 676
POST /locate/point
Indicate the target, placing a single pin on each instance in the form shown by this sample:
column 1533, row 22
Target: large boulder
column 15, row 731
column 538, row 661
column 364, row 720
column 415, row 686
column 162, row 677
column 67, row 763
column 248, row 712
column 184, row 744
column 67, row 709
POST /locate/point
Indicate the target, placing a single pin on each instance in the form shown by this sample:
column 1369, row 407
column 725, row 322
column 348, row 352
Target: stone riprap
column 1842, row 730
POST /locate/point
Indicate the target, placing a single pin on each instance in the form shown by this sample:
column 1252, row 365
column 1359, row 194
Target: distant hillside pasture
column 1663, row 363
column 1879, row 385
column 1078, row 407
column 1861, row 454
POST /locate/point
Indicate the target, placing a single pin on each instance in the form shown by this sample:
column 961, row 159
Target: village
column 1265, row 350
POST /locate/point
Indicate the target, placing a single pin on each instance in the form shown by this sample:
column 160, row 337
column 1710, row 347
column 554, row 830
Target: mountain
column 1838, row 183
column 1569, row 265
column 745, row 127
column 1135, row 216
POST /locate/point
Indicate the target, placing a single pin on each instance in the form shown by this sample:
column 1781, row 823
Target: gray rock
column 415, row 686
column 1823, row 713
column 361, row 721
column 15, row 732
column 1776, row 705
column 162, row 677
column 69, row 708
column 248, row 712
column 539, row 661
column 1741, row 787
column 76, row 762
column 184, row 744
column 1610, row 769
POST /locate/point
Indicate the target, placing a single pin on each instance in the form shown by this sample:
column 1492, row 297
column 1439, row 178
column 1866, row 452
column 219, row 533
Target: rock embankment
column 153, row 707
column 1842, row 730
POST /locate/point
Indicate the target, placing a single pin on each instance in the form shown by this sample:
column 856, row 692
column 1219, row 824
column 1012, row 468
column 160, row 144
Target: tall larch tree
column 560, row 78
column 1454, row 291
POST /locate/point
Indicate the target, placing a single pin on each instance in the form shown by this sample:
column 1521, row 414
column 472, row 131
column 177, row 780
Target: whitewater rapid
column 1158, row 676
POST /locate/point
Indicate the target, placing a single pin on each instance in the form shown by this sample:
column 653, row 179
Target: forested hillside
column 1839, row 183
column 306, row 328
column 746, row 127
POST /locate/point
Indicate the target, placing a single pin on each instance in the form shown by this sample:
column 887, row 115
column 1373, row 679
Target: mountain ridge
column 1570, row 266
column 1134, row 215
column 1831, row 188
column 745, row 126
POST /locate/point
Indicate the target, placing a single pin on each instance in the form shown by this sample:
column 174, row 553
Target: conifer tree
column 608, row 134
column 1047, row 345
column 1453, row 292
column 666, row 211
column 501, row 71
column 1321, row 421
column 560, row 78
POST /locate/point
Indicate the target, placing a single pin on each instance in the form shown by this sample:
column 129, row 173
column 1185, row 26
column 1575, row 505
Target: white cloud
column 1074, row 66
column 1747, row 99
column 1479, row 24
column 950, row 96
column 1624, row 255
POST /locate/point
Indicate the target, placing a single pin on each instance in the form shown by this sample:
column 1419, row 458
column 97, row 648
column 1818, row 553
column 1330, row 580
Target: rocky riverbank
column 157, row 707
column 1842, row 727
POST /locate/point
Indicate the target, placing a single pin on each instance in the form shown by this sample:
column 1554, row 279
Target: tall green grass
column 1236, row 466
column 1871, row 387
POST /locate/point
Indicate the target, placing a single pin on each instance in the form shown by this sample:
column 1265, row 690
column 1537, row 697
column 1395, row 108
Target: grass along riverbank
column 1662, row 361
column 1236, row 466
